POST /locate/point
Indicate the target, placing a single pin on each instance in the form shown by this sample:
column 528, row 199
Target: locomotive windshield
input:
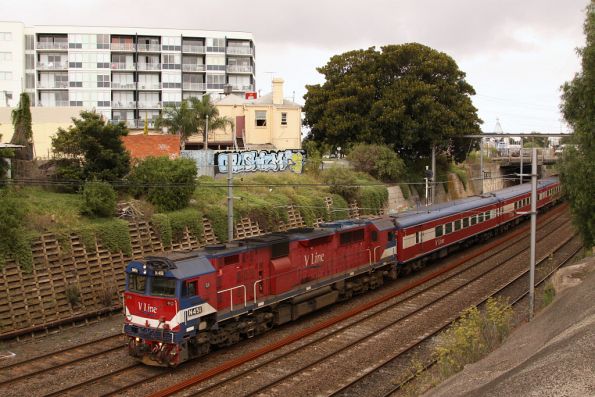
column 163, row 286
column 136, row 283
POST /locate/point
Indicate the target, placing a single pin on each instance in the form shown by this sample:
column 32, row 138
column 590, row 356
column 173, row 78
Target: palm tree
column 190, row 118
column 203, row 108
column 179, row 120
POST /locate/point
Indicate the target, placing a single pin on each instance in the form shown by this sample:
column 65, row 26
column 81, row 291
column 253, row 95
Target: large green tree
column 577, row 167
column 408, row 97
column 190, row 118
column 23, row 132
column 91, row 149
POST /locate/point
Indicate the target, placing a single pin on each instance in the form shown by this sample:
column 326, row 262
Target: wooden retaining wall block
column 245, row 227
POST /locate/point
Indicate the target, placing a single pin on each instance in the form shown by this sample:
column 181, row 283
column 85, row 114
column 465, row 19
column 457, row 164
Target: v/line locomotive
column 179, row 306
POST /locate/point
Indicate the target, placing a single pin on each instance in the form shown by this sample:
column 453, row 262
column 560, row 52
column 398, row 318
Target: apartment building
column 127, row 74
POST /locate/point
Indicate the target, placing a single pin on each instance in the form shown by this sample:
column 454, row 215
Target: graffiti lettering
column 263, row 160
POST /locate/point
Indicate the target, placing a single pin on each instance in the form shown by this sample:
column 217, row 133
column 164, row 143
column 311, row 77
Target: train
column 183, row 304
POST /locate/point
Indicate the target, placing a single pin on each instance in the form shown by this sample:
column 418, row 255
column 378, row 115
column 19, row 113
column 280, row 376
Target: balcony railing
column 248, row 87
column 123, row 86
column 123, row 105
column 130, row 123
column 239, row 69
column 149, row 86
column 192, row 67
column 149, row 47
column 123, row 66
column 52, row 84
column 149, row 105
column 52, row 65
column 215, row 86
column 123, row 46
column 240, row 51
column 53, row 104
column 193, row 49
column 148, row 66
column 194, row 86
column 52, row 45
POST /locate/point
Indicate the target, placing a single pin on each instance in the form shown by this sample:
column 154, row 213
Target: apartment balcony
column 192, row 67
column 148, row 66
column 126, row 47
column 52, row 85
column 60, row 46
column 54, row 104
column 194, row 86
column 123, row 105
column 149, row 86
column 148, row 47
column 149, row 105
column 215, row 86
column 130, row 123
column 249, row 87
column 52, row 66
column 240, row 51
column 123, row 66
column 140, row 123
column 123, row 86
column 193, row 49
column 240, row 69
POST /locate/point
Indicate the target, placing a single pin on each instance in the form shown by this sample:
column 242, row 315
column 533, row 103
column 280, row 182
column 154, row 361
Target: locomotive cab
column 166, row 304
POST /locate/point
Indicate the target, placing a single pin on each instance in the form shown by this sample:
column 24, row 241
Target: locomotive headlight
column 137, row 339
column 160, row 344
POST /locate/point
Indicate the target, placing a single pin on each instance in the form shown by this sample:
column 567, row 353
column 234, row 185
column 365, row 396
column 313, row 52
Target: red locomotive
column 181, row 305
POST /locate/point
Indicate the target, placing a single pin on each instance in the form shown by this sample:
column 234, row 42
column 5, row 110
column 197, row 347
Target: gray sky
column 516, row 53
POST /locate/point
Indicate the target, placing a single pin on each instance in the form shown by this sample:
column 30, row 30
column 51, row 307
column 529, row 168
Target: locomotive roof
column 186, row 265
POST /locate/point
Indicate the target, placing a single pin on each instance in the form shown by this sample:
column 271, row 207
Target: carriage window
column 136, row 283
column 417, row 237
column 163, row 286
column 448, row 228
column 351, row 237
column 374, row 236
column 465, row 222
column 391, row 236
column 189, row 288
column 487, row 215
column 438, row 231
column 480, row 217
column 473, row 220
column 458, row 224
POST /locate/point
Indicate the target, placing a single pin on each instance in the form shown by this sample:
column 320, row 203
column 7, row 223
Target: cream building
column 269, row 122
column 45, row 123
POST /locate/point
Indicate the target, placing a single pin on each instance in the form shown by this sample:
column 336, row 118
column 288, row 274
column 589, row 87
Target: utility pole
column 533, row 230
column 481, row 164
column 230, row 196
column 521, row 173
column 433, row 173
column 426, row 179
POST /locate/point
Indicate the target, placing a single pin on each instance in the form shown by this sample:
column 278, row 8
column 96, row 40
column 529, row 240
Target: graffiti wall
column 262, row 160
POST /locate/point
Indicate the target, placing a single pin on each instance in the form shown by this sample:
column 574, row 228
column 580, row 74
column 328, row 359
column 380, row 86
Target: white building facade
column 127, row 74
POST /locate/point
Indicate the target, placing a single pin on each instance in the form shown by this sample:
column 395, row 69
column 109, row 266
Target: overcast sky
column 516, row 53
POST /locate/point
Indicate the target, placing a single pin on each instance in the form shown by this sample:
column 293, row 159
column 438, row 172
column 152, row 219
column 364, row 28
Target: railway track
column 35, row 366
column 332, row 339
column 375, row 376
column 116, row 382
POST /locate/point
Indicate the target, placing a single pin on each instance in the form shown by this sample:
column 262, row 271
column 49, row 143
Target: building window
column 283, row 118
column 5, row 75
column 29, row 80
column 29, row 42
column 103, row 80
column 215, row 45
column 172, row 61
column 5, row 36
column 29, row 61
column 7, row 57
column 103, row 41
column 261, row 118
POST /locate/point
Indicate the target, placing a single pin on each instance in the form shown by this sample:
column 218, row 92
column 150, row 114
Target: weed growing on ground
column 73, row 295
column 549, row 293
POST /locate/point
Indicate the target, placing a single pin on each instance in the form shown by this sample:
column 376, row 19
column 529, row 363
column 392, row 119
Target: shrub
column 162, row 227
column 99, row 199
column 14, row 240
column 341, row 181
column 73, row 294
column 379, row 161
column 167, row 184
column 113, row 234
column 170, row 226
column 473, row 335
